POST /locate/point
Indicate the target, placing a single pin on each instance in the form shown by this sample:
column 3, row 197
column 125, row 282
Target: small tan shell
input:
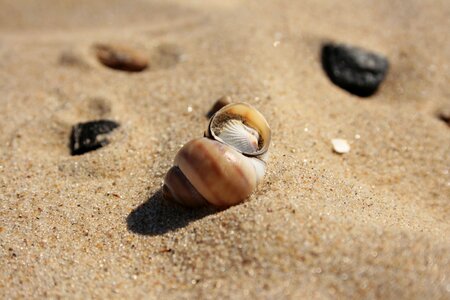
column 211, row 171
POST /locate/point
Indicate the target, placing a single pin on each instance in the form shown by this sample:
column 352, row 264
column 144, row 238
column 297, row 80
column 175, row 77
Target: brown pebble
column 122, row 58
column 444, row 115
column 165, row 250
column 221, row 102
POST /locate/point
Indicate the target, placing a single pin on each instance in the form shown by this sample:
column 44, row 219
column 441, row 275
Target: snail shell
column 224, row 167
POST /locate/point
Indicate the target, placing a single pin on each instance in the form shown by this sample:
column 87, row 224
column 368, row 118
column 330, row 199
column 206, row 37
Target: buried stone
column 444, row 115
column 90, row 136
column 356, row 70
column 121, row 57
column 221, row 102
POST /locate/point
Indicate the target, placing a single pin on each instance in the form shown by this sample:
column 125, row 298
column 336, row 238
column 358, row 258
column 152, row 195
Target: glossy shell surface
column 219, row 173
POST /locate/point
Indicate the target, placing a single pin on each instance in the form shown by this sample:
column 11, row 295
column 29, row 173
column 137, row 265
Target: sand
column 371, row 223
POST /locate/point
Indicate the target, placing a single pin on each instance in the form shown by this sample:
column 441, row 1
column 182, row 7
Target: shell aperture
column 241, row 127
column 238, row 135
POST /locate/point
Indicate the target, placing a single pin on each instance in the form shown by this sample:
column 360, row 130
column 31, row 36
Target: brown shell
column 217, row 172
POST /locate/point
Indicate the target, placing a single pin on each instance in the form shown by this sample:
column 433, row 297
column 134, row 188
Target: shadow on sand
column 157, row 216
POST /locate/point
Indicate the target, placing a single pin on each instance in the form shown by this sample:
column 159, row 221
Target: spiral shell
column 224, row 167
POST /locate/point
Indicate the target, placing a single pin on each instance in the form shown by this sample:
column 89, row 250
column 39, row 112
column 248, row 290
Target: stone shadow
column 158, row 216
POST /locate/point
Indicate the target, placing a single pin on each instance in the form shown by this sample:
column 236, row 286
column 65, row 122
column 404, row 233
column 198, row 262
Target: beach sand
column 371, row 223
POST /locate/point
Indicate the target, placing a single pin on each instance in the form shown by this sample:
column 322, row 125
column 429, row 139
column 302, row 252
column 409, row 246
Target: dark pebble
column 444, row 116
column 122, row 58
column 90, row 136
column 221, row 102
column 356, row 70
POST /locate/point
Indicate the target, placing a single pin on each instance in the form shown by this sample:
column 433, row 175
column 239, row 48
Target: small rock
column 356, row 70
column 444, row 115
column 122, row 58
column 90, row 136
column 221, row 102
column 340, row 146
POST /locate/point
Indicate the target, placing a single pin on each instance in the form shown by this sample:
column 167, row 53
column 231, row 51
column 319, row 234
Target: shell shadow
column 157, row 216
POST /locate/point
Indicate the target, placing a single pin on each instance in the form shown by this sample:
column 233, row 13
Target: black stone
column 444, row 116
column 90, row 136
column 356, row 70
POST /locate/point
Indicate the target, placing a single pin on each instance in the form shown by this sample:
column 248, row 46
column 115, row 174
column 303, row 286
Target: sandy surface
column 372, row 223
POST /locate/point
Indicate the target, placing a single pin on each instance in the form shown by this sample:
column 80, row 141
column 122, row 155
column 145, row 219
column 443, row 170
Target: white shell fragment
column 240, row 136
column 340, row 146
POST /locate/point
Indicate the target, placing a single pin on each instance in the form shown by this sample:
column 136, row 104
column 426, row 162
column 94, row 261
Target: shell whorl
column 223, row 168
column 179, row 189
column 220, row 174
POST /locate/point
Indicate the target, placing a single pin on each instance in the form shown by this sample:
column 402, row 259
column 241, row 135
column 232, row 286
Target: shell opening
column 242, row 127
column 238, row 135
